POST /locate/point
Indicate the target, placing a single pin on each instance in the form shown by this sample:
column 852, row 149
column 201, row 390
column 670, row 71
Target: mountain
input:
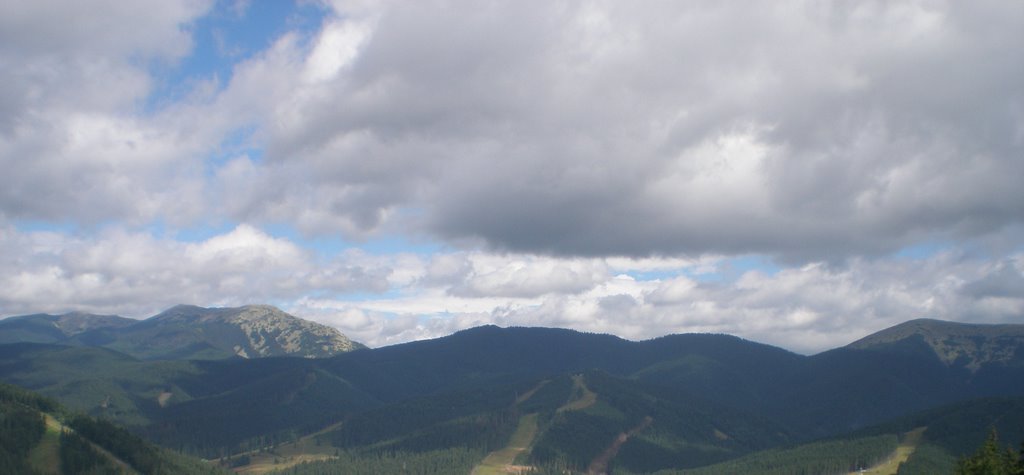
column 252, row 331
column 45, row 328
column 956, row 344
column 186, row 332
column 550, row 398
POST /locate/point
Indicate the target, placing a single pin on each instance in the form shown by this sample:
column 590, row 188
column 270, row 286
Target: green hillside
column 933, row 440
column 38, row 436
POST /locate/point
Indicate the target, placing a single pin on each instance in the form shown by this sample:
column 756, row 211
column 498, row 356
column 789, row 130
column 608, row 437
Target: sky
column 798, row 173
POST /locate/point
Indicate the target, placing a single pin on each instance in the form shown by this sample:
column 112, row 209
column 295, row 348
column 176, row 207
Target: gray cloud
column 539, row 139
column 73, row 145
column 802, row 131
column 1005, row 280
column 806, row 132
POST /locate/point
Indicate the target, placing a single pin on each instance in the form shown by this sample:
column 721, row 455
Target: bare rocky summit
column 188, row 332
column 956, row 344
column 256, row 331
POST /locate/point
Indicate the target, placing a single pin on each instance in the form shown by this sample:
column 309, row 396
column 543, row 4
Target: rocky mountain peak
column 259, row 330
column 962, row 344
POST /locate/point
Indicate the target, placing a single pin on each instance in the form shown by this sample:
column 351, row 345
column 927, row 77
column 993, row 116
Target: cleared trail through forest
column 891, row 465
column 502, row 461
column 599, row 466
column 584, row 397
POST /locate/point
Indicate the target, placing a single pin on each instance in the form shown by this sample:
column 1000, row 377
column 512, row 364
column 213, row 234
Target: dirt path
column 599, row 466
column 903, row 452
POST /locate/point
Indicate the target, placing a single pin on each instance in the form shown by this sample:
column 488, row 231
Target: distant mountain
column 45, row 328
column 569, row 400
column 956, row 344
column 253, row 331
column 186, row 332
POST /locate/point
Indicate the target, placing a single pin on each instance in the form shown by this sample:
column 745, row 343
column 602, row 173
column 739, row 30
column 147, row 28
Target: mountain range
column 185, row 332
column 490, row 398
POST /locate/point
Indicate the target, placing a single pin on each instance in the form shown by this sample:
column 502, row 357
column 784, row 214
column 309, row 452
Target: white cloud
column 797, row 130
column 807, row 309
column 72, row 141
column 336, row 48
column 598, row 166
column 137, row 275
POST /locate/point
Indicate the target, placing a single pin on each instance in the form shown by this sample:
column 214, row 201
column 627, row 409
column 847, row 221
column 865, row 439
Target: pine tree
column 990, row 460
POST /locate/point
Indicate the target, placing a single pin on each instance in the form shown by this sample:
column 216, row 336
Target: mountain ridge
column 468, row 386
column 968, row 345
column 186, row 331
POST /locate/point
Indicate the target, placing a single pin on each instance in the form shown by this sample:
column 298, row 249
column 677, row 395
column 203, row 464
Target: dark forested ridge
column 550, row 399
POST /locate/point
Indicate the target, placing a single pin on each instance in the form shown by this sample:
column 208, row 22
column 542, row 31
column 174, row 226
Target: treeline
column 127, row 447
column 455, row 460
column 838, row 456
column 272, row 407
column 123, row 444
column 686, row 432
column 480, row 420
column 991, row 459
column 78, row 456
column 928, row 459
column 574, row 438
column 21, row 428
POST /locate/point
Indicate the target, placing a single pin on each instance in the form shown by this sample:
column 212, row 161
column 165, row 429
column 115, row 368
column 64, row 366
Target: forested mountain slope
column 679, row 401
column 38, row 436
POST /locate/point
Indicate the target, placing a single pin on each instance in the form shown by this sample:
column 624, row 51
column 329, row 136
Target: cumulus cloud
column 805, row 308
column 591, row 165
column 72, row 142
column 805, row 131
column 801, row 130
column 808, row 308
column 137, row 275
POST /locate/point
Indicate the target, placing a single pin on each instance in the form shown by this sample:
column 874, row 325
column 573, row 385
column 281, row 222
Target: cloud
column 396, row 297
column 803, row 131
column 138, row 275
column 595, row 166
column 72, row 142
column 807, row 309
column 800, row 131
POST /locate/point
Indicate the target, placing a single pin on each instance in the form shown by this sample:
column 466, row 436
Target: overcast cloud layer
column 798, row 173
